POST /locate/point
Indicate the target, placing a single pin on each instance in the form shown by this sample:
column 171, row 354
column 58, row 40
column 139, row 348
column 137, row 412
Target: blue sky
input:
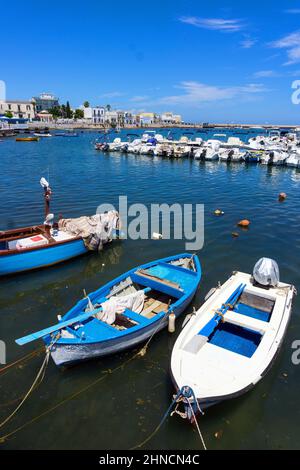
column 216, row 61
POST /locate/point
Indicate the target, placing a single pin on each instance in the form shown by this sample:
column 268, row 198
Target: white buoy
column 156, row 236
column 171, row 325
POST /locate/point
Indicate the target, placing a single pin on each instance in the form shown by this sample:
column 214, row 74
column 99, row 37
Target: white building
column 170, row 118
column 94, row 115
column 18, row 109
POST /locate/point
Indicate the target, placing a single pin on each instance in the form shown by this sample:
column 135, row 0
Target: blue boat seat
column 136, row 317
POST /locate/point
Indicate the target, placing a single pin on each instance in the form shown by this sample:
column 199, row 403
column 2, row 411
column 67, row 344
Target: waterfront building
column 18, row 109
column 45, row 117
column 170, row 118
column 147, row 119
column 111, row 117
column 94, row 115
column 45, row 102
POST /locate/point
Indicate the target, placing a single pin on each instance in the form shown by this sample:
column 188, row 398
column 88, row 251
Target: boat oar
column 60, row 325
column 208, row 329
column 57, row 327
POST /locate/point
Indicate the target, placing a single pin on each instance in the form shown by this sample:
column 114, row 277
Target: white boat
column 293, row 160
column 199, row 153
column 134, row 146
column 231, row 155
column 236, row 155
column 278, row 157
column 265, row 158
column 181, row 151
column 233, row 339
column 163, row 150
column 38, row 134
column 146, row 149
column 211, row 154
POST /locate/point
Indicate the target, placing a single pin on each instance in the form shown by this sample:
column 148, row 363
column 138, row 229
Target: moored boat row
column 267, row 151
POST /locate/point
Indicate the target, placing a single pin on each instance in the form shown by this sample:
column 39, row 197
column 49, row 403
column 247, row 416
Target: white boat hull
column 215, row 372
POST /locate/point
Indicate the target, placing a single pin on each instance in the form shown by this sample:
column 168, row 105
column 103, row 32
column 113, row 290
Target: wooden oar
column 212, row 324
column 61, row 325
column 57, row 327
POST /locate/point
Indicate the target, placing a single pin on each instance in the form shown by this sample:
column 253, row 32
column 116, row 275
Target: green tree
column 86, row 104
column 79, row 114
column 69, row 112
column 56, row 112
column 9, row 114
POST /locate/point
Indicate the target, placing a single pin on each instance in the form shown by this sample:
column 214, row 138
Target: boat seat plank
column 135, row 316
column 246, row 322
column 145, row 273
column 154, row 305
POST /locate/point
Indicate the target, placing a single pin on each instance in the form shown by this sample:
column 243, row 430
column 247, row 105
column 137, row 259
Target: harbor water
column 100, row 405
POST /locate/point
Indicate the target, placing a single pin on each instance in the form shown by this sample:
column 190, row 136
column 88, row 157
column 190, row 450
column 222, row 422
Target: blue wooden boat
column 55, row 250
column 39, row 246
column 169, row 285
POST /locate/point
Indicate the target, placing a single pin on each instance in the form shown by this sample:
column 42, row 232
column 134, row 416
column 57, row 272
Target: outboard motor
column 266, row 272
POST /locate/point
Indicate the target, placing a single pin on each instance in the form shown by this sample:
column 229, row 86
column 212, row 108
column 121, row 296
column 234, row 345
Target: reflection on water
column 129, row 403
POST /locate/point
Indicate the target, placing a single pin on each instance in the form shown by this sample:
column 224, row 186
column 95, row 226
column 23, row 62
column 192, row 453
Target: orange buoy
column 244, row 223
column 282, row 196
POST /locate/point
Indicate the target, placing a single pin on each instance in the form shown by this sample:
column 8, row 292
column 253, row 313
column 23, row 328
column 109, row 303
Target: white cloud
column 112, row 94
column 248, row 43
column 195, row 93
column 293, row 11
column 265, row 74
column 219, row 24
column 139, row 98
column 291, row 42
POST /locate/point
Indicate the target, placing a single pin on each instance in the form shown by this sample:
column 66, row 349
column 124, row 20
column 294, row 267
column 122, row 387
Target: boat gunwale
column 51, row 244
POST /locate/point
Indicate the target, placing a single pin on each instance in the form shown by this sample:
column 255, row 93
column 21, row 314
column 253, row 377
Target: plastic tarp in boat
column 117, row 305
column 266, row 272
column 95, row 230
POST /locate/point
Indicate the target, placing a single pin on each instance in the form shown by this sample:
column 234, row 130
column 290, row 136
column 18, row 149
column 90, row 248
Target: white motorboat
column 278, row 157
column 233, row 339
column 134, row 146
column 293, row 160
column 181, row 151
column 236, row 155
column 199, row 153
column 146, row 149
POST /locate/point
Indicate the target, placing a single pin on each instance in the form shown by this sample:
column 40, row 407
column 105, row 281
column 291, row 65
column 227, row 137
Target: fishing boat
column 27, row 139
column 124, row 312
column 40, row 134
column 234, row 338
column 40, row 246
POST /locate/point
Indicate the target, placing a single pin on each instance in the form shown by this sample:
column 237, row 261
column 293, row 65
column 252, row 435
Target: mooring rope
column 197, row 426
column 178, row 397
column 165, row 416
column 143, row 351
column 28, row 356
column 64, row 401
column 32, row 387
